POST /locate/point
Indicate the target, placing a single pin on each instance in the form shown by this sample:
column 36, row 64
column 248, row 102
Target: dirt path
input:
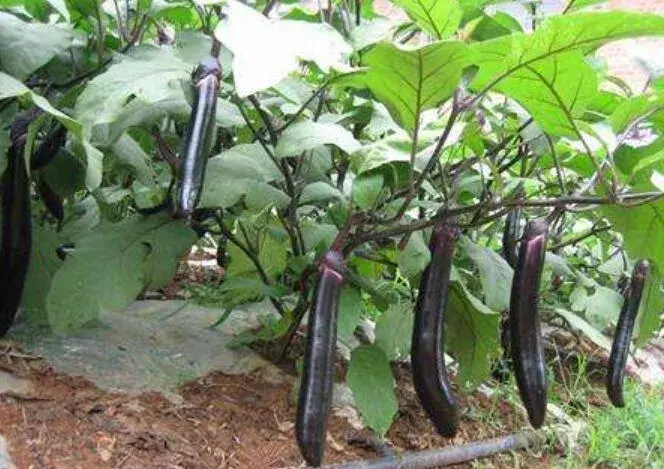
column 224, row 422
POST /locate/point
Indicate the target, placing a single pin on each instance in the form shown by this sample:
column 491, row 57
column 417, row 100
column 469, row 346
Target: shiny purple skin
column 526, row 347
column 427, row 353
column 317, row 374
column 16, row 236
column 199, row 138
column 623, row 335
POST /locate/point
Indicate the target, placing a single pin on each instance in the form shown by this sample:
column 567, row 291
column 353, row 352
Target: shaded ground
column 224, row 421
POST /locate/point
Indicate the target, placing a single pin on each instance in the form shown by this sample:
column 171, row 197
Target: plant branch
column 254, row 259
column 587, row 234
column 559, row 203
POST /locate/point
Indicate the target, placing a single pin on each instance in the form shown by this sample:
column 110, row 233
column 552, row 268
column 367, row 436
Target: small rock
column 5, row 459
column 10, row 384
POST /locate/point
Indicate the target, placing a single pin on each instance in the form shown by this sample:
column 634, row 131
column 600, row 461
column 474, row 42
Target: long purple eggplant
column 427, row 353
column 16, row 231
column 623, row 335
column 316, row 386
column 525, row 331
column 198, row 138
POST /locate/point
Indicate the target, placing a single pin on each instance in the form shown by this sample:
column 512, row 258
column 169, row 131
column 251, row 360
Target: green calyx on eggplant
column 527, row 350
column 198, row 138
column 623, row 334
column 315, row 393
column 427, row 346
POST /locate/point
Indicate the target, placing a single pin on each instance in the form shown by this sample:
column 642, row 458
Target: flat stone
column 5, row 459
column 11, row 384
column 152, row 346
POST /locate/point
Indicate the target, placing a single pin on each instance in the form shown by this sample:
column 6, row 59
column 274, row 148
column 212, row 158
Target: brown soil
column 224, row 422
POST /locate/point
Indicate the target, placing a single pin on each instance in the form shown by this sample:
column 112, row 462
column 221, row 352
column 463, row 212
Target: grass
column 632, row 436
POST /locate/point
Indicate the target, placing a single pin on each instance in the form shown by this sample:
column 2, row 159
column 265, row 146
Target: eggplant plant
column 323, row 149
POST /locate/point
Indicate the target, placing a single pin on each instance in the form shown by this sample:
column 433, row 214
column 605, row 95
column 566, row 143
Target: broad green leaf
column 496, row 25
column 370, row 378
column 351, row 307
column 372, row 32
column 147, row 73
column 642, row 228
column 258, row 65
column 580, row 324
column 318, row 236
column 474, row 8
column 495, row 274
column 439, row 18
column 603, row 307
column 10, row 87
column 308, row 135
column 394, row 329
column 140, row 111
column 472, row 335
column 409, row 82
column 112, row 264
column 130, row 153
column 244, row 170
column 61, row 7
column 631, row 109
column 651, row 307
column 272, row 255
column 366, row 189
column 320, row 192
column 44, row 263
column 26, row 47
column 548, row 63
column 414, row 258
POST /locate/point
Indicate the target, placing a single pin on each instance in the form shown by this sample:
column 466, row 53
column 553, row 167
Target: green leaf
column 366, row 189
column 472, row 335
column 272, row 255
column 548, row 65
column 130, row 153
column 495, row 274
column 370, row 378
column 258, row 65
column 650, row 309
column 61, row 7
column 26, row 47
column 371, row 32
column 112, row 264
column 351, row 307
column 244, row 170
column 320, row 192
column 579, row 324
column 10, row 87
column 642, row 228
column 409, row 82
column 603, row 307
column 308, row 135
column 394, row 329
column 439, row 18
column 44, row 263
column 147, row 73
column 318, row 236
column 414, row 258
column 632, row 109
